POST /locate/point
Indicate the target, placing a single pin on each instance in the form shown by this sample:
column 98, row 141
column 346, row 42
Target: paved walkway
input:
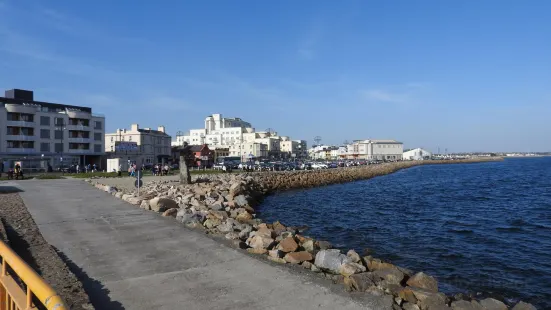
column 130, row 258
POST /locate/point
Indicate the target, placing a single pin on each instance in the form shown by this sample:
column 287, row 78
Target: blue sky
column 461, row 75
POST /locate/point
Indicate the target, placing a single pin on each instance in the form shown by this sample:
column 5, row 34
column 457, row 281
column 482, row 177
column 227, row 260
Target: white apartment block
column 218, row 131
column 240, row 137
column 41, row 134
column 139, row 145
column 376, row 150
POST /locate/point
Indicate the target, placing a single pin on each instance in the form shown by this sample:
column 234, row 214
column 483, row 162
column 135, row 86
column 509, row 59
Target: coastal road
column 129, row 258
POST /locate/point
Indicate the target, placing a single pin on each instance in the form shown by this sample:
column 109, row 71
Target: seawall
column 281, row 181
column 224, row 205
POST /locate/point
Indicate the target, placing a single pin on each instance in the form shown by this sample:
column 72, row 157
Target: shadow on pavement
column 8, row 189
column 98, row 293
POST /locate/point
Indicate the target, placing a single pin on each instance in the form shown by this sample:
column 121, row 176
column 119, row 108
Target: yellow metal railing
column 13, row 295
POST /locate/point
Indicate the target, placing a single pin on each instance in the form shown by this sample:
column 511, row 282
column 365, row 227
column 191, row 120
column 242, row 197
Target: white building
column 41, row 134
column 376, row 150
column 218, row 131
column 417, row 154
column 239, row 136
column 139, row 145
column 248, row 150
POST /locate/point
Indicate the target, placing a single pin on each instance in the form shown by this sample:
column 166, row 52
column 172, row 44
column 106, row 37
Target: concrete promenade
column 129, row 258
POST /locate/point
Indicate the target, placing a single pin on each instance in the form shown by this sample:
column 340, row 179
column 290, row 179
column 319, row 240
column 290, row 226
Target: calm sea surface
column 482, row 228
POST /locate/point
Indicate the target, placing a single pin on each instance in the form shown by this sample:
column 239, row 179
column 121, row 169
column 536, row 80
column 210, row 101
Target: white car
column 319, row 166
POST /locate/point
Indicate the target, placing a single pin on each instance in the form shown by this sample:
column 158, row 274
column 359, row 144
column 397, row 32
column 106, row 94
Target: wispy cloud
column 307, row 47
column 378, row 95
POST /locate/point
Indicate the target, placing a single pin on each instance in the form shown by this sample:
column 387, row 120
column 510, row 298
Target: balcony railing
column 20, row 123
column 80, row 151
column 20, row 137
column 78, row 127
column 20, row 150
column 80, row 140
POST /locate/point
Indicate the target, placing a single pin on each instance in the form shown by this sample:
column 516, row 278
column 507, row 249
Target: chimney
column 135, row 127
column 161, row 128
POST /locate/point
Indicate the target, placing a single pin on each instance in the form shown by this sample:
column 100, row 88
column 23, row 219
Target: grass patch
column 48, row 177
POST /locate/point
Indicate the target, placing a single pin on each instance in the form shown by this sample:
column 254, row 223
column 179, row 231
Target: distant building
column 143, row 146
column 372, row 149
column 417, row 154
column 40, row 134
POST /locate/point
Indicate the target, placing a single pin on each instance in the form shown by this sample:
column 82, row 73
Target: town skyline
column 460, row 77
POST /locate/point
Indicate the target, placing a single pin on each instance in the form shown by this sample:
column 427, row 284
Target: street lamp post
column 61, row 126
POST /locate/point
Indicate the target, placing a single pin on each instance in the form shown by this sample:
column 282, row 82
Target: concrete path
column 130, row 258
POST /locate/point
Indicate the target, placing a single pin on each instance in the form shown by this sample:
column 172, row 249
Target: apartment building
column 41, row 134
column 218, row 130
column 142, row 146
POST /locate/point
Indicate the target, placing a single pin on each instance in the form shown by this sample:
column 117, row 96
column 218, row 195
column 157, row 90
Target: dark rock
column 171, row 212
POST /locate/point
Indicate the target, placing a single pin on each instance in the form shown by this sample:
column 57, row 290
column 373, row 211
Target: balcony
column 79, row 114
column 20, row 150
column 20, row 138
column 80, row 140
column 79, row 151
column 20, row 124
column 19, row 108
column 78, row 127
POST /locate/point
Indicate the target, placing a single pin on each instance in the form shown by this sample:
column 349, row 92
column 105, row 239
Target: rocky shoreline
column 224, row 205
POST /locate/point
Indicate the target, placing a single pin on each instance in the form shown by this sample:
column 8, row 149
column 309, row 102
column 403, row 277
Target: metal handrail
column 12, row 296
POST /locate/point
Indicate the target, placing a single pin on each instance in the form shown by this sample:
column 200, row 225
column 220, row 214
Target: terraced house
column 41, row 134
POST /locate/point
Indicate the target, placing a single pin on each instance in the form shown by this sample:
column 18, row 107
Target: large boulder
column 390, row 275
column 348, row 269
column 493, row 304
column 288, row 245
column 298, row 257
column 359, row 281
column 427, row 299
column 260, row 242
column 354, row 256
column 466, row 305
column 162, row 204
column 331, row 260
column 423, row 280
column 244, row 217
column 241, row 201
column 523, row 306
column 225, row 227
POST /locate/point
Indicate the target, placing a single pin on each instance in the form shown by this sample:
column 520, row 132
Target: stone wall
column 281, row 181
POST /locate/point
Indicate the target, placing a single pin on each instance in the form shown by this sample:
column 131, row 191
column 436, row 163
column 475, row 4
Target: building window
column 59, row 121
column 129, row 138
column 97, row 136
column 45, row 147
column 98, row 125
column 45, row 121
column 44, row 133
column 58, row 147
column 97, row 148
column 58, row 134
